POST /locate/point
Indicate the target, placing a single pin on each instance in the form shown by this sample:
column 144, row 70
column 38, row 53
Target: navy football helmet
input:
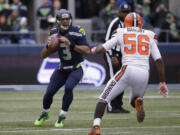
column 61, row 15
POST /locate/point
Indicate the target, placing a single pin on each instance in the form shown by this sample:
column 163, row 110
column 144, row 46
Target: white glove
column 163, row 89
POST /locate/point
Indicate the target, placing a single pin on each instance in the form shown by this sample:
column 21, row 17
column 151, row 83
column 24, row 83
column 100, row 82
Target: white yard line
column 107, row 117
column 16, row 130
column 84, row 97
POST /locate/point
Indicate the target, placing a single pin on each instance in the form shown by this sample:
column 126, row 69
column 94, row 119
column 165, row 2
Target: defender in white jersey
column 137, row 45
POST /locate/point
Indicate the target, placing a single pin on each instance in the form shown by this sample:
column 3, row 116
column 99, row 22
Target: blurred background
column 24, row 26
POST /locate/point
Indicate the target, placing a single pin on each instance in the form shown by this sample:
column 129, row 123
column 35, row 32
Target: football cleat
column 44, row 116
column 140, row 109
column 95, row 131
column 118, row 110
column 60, row 122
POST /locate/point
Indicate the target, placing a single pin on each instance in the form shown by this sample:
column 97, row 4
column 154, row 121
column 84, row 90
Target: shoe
column 60, row 122
column 44, row 116
column 118, row 110
column 122, row 110
column 95, row 131
column 140, row 109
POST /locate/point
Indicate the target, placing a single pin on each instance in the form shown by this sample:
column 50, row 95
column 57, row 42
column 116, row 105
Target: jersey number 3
column 142, row 47
column 66, row 52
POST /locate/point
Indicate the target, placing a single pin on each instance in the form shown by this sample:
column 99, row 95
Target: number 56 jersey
column 136, row 46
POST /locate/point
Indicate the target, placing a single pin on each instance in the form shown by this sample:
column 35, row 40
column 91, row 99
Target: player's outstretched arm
column 106, row 46
column 162, row 85
column 98, row 49
column 82, row 49
column 160, row 69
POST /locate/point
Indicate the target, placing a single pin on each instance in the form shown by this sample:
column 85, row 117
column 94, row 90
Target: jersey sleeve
column 53, row 31
column 81, row 40
column 155, row 51
column 110, row 43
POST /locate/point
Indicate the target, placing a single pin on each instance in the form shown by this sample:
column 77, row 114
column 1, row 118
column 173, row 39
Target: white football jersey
column 136, row 46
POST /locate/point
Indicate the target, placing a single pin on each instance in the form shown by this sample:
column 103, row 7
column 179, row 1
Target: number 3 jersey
column 76, row 36
column 136, row 46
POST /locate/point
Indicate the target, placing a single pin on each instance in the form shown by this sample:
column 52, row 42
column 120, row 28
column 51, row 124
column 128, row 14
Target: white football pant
column 133, row 76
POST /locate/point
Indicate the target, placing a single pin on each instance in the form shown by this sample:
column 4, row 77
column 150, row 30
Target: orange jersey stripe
column 121, row 73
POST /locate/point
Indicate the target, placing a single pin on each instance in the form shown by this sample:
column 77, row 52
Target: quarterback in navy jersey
column 73, row 45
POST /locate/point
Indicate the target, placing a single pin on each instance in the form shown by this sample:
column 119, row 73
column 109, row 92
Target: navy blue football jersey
column 77, row 36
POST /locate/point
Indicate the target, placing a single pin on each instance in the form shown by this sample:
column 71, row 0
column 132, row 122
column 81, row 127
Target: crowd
column 14, row 26
column 155, row 15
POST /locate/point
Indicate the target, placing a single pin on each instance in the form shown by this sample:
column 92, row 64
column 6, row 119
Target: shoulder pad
column 82, row 31
column 78, row 29
column 153, row 36
column 53, row 31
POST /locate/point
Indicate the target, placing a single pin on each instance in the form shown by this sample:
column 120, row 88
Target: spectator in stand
column 108, row 13
column 146, row 6
column 24, row 36
column 169, row 30
column 56, row 6
column 4, row 8
column 13, row 21
column 22, row 9
column 139, row 10
column 4, row 27
column 158, row 17
column 44, row 12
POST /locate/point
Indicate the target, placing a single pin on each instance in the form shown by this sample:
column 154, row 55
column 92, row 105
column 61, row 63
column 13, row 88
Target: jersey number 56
column 141, row 47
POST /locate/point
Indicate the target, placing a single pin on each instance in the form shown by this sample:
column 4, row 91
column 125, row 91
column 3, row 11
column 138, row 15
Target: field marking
column 92, row 112
column 16, row 130
column 84, row 97
column 107, row 117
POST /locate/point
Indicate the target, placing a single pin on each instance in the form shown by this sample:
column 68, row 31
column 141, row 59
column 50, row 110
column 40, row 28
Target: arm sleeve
column 81, row 40
column 110, row 43
column 155, row 51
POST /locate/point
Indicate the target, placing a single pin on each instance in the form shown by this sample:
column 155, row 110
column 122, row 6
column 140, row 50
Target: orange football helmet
column 133, row 20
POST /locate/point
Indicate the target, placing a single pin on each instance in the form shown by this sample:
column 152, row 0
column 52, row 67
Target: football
column 54, row 44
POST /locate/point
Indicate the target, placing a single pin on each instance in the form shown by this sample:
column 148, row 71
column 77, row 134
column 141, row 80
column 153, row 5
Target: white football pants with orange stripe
column 133, row 76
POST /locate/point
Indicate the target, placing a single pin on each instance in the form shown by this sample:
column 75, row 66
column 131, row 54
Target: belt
column 70, row 67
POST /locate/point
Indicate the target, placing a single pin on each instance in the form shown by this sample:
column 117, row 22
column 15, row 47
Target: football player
column 73, row 45
column 137, row 45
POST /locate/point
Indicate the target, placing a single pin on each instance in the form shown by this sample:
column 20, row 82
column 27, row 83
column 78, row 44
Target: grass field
column 18, row 110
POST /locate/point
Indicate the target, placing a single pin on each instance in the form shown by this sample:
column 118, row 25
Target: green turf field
column 18, row 110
